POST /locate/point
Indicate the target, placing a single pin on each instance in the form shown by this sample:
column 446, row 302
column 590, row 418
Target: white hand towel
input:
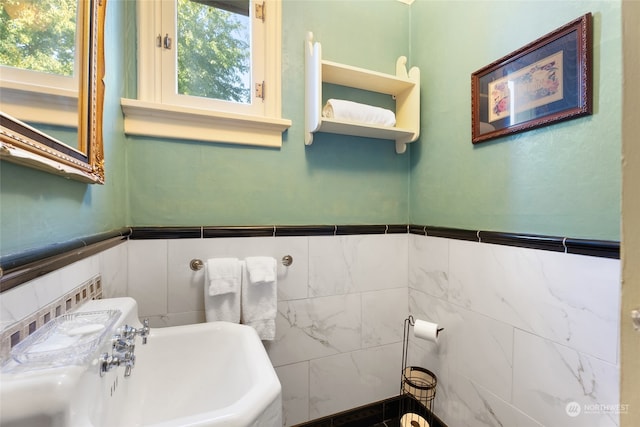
column 224, row 307
column 222, row 287
column 259, row 296
column 223, row 275
column 261, row 269
column 355, row 112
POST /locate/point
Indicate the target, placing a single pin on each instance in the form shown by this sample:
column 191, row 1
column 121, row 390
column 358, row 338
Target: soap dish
column 70, row 339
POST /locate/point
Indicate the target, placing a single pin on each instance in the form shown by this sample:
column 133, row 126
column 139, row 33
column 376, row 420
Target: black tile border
column 588, row 247
column 371, row 414
column 149, row 233
column 24, row 266
column 342, row 230
column 12, row 261
column 398, row 229
column 21, row 267
column 254, row 231
column 598, row 248
column 305, row 230
column 545, row 243
column 210, row 232
column 449, row 233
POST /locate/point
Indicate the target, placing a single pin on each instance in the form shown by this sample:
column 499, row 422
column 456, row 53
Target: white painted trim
column 40, row 104
column 151, row 88
column 178, row 122
column 148, row 19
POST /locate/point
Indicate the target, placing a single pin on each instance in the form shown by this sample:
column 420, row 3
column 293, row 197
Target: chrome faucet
column 108, row 362
column 123, row 348
column 144, row 331
column 129, row 332
column 122, row 344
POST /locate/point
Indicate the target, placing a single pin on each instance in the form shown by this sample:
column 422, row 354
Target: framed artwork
column 546, row 81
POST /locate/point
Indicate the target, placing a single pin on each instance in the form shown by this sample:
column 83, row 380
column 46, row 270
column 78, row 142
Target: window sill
column 176, row 122
column 40, row 104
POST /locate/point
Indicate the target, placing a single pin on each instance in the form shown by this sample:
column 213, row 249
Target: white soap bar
column 85, row 329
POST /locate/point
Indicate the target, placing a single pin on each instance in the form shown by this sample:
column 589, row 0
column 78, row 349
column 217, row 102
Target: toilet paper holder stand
column 417, row 385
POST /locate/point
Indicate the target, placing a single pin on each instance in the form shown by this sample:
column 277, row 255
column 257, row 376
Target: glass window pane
column 214, row 49
column 38, row 35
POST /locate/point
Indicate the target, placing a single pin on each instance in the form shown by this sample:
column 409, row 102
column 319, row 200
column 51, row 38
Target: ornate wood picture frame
column 544, row 82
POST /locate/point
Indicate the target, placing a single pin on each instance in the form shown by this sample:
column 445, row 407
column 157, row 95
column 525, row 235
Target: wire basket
column 417, row 387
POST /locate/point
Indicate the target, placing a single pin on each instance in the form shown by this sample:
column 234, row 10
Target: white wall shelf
column 404, row 87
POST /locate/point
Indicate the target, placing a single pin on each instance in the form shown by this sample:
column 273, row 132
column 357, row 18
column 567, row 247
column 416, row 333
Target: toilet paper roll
column 413, row 420
column 426, row 330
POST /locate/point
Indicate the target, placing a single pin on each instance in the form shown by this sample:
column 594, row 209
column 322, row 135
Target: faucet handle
column 144, row 331
column 128, row 332
column 122, row 343
column 106, row 363
column 129, row 363
column 109, row 361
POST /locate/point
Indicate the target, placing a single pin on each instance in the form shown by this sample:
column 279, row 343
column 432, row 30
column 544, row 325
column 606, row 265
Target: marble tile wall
column 341, row 306
column 528, row 333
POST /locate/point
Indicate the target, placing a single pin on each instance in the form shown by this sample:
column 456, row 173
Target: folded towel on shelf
column 222, row 288
column 356, row 112
column 259, row 296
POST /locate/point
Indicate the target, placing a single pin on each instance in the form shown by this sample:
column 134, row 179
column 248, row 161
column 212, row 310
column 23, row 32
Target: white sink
column 210, row 374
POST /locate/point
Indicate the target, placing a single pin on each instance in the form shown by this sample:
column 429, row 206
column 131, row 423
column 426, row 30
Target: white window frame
column 157, row 114
column 39, row 97
column 167, row 73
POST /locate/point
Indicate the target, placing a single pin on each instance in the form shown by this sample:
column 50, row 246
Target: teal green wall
column 335, row 180
column 560, row 180
column 38, row 209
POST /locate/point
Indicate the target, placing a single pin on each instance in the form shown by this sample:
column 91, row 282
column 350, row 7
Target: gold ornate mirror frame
column 25, row 145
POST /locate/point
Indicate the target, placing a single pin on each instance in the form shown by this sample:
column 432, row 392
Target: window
column 39, row 61
column 208, row 65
